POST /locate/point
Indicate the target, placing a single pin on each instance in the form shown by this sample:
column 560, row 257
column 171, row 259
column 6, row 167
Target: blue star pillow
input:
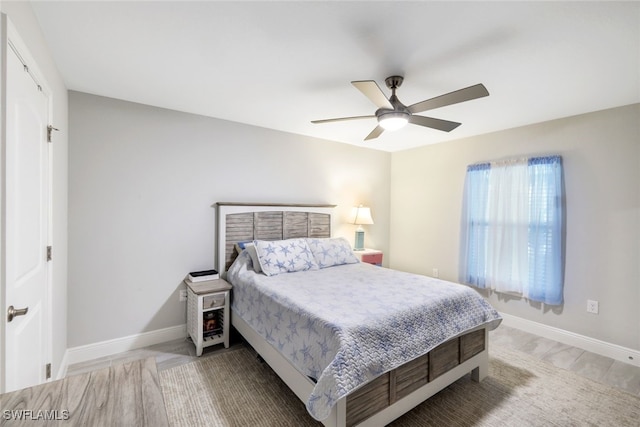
column 284, row 256
column 330, row 252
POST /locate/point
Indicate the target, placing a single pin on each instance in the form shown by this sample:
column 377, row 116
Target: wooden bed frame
column 387, row 397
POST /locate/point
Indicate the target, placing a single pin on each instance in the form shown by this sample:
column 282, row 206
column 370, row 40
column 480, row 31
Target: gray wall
column 142, row 182
column 601, row 155
column 22, row 17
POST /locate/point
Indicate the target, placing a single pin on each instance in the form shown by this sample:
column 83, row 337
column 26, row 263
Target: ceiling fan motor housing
column 394, row 82
column 395, row 118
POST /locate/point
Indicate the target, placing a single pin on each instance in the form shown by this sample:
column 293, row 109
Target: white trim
column 96, row 350
column 593, row 345
column 64, row 364
column 3, row 78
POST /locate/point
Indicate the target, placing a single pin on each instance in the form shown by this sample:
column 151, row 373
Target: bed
column 352, row 359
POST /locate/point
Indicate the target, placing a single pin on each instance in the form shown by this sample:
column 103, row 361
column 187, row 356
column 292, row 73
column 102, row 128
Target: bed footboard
column 389, row 396
column 397, row 384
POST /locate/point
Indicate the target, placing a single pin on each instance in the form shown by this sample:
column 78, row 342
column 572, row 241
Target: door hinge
column 48, row 368
column 50, row 129
column 49, row 251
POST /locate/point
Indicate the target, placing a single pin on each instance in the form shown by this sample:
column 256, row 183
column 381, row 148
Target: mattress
column 345, row 325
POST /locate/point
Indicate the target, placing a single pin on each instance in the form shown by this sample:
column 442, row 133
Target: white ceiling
column 280, row 65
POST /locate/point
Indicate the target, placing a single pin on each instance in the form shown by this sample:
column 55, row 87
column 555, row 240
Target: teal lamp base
column 359, row 241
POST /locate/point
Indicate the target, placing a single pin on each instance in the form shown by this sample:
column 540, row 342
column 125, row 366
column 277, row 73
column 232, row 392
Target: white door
column 25, row 224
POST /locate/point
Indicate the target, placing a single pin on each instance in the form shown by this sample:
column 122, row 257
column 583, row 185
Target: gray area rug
column 233, row 388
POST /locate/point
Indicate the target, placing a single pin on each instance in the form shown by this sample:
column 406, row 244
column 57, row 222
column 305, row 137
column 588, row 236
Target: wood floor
column 602, row 369
column 123, row 389
column 590, row 365
column 126, row 394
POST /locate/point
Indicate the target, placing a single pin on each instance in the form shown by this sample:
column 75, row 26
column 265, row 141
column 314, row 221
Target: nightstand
column 208, row 318
column 370, row 256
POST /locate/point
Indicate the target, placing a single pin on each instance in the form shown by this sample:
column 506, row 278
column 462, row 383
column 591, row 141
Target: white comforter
column 346, row 325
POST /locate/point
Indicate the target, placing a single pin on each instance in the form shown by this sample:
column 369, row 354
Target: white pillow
column 251, row 250
column 331, row 252
column 284, row 256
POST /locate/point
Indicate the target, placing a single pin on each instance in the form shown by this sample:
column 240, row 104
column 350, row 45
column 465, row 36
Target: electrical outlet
column 183, row 295
column 435, row 274
column 592, row 306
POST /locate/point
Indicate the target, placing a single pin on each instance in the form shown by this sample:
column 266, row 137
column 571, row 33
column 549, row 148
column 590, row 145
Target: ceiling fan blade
column 462, row 95
column 430, row 122
column 375, row 133
column 340, row 119
column 371, row 90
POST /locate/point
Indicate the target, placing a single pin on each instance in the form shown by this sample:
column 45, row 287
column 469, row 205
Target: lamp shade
column 361, row 216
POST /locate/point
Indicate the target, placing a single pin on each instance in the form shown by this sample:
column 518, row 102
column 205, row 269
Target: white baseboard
column 119, row 345
column 107, row 348
column 593, row 345
column 62, row 371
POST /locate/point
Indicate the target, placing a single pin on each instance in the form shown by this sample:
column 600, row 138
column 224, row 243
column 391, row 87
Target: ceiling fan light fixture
column 393, row 114
column 393, row 120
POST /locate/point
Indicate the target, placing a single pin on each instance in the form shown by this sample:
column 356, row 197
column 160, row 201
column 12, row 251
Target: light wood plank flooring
column 590, row 365
column 126, row 394
column 125, row 387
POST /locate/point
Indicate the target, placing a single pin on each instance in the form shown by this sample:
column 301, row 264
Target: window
column 513, row 227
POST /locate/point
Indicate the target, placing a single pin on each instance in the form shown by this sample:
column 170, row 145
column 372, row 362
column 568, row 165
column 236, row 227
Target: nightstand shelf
column 370, row 256
column 208, row 318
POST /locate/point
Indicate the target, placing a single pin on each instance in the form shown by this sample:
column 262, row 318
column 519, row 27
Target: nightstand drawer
column 211, row 301
column 372, row 258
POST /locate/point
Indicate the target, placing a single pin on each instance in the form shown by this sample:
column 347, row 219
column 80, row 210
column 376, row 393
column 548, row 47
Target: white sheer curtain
column 546, row 229
column 508, row 228
column 475, row 225
column 512, row 228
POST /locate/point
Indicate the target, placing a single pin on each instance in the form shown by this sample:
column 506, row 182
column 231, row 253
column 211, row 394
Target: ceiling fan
column 393, row 114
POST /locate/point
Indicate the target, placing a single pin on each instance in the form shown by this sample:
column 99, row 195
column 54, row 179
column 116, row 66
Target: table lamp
column 360, row 216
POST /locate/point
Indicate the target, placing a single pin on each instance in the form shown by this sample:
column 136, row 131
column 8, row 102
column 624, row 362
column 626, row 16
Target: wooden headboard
column 238, row 222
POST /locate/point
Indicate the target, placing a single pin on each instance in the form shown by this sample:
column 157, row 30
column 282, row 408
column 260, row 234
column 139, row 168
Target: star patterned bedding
column 344, row 325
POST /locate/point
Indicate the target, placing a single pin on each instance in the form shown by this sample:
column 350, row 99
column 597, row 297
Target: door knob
column 13, row 312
